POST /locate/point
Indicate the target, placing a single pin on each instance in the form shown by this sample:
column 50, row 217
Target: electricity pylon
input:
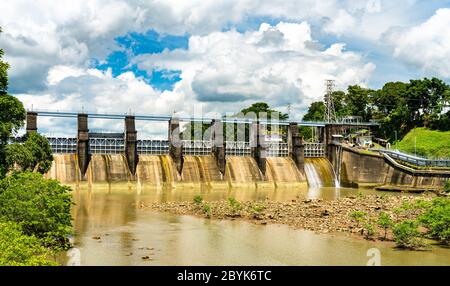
column 330, row 114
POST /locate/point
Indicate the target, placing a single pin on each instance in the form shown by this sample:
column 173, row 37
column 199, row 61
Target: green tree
column 260, row 108
column 41, row 152
column 34, row 154
column 12, row 114
column 18, row 157
column 316, row 112
column 357, row 102
column 3, row 73
column 18, row 249
column 41, row 206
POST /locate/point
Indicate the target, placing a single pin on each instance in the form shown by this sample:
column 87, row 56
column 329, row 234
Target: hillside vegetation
column 429, row 143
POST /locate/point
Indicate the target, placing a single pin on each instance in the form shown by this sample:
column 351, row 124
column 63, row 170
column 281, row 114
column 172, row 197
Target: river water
column 111, row 229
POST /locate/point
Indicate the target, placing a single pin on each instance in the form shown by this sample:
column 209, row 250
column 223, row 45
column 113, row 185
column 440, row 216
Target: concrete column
column 175, row 145
column 31, row 121
column 296, row 146
column 131, row 144
column 258, row 145
column 83, row 143
column 218, row 147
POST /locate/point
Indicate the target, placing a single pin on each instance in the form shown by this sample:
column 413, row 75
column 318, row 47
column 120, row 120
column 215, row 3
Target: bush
column 257, row 210
column 447, row 186
column 207, row 210
column 436, row 219
column 369, row 230
column 406, row 234
column 18, row 249
column 41, row 206
column 384, row 221
column 198, row 199
column 235, row 206
column 358, row 216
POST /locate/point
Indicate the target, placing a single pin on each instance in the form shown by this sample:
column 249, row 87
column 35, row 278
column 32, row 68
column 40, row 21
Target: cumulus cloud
column 276, row 64
column 426, row 46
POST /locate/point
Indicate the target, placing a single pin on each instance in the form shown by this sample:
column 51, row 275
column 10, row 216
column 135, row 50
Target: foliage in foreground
column 34, row 154
column 436, row 219
column 407, row 235
column 18, row 249
column 41, row 207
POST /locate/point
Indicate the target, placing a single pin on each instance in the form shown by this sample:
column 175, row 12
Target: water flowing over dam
column 160, row 170
column 319, row 173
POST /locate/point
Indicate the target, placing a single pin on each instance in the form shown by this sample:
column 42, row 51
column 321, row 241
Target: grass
column 429, row 143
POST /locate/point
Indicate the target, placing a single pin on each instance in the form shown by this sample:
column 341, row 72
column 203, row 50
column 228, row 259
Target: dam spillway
column 319, row 173
column 160, row 170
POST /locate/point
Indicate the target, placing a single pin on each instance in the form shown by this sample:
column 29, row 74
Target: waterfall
column 283, row 170
column 319, row 173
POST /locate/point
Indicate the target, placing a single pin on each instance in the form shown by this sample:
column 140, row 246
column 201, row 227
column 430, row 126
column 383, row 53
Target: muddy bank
column 313, row 214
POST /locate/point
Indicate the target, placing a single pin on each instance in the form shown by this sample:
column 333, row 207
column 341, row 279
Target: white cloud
column 426, row 46
column 229, row 70
column 220, row 72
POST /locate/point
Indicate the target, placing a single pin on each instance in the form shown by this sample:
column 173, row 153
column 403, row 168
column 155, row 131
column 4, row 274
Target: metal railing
column 415, row 160
column 153, row 147
column 314, row 150
column 277, row 149
column 237, row 148
column 106, row 145
column 63, row 145
column 197, row 147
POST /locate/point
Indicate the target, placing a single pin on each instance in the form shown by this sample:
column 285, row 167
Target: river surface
column 111, row 229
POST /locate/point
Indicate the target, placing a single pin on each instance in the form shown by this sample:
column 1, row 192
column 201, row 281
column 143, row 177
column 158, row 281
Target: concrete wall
column 359, row 169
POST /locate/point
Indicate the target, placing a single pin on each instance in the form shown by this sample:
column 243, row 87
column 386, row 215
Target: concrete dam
column 160, row 170
column 216, row 161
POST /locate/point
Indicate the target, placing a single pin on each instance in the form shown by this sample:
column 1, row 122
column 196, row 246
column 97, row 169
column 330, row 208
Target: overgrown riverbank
column 372, row 216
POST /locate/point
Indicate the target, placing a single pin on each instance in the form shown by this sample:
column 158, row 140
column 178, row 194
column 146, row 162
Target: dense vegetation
column 398, row 106
column 35, row 216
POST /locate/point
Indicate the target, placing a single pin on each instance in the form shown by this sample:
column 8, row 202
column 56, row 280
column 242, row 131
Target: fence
column 153, row 147
column 314, row 150
column 237, row 148
column 106, row 145
column 417, row 161
column 197, row 147
column 63, row 145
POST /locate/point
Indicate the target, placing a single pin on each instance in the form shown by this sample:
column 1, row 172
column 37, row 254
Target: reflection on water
column 111, row 229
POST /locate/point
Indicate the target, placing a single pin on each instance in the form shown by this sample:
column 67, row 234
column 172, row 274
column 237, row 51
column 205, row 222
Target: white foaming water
column 312, row 176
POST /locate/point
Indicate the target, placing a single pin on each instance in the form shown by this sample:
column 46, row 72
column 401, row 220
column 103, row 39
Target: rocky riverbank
column 350, row 214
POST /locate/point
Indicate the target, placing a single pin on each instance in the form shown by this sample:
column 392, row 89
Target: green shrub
column 198, row 199
column 206, row 210
column 385, row 222
column 257, row 210
column 358, row 216
column 369, row 230
column 406, row 234
column 18, row 249
column 40, row 206
column 436, row 219
column 447, row 186
column 235, row 206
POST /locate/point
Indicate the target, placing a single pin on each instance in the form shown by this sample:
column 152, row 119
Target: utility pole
column 330, row 114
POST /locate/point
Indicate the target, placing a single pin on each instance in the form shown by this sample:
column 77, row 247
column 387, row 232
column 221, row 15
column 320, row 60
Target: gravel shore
column 313, row 214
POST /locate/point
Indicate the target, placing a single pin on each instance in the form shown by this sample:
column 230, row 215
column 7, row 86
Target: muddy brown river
column 111, row 229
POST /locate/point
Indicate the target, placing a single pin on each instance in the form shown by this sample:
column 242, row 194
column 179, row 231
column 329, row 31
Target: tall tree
column 3, row 72
column 12, row 114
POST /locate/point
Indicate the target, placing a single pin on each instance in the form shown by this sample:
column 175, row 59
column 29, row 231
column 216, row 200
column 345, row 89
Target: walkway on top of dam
column 225, row 119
